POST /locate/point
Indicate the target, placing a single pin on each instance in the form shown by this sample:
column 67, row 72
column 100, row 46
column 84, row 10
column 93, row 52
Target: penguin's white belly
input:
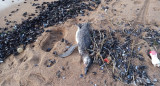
column 77, row 38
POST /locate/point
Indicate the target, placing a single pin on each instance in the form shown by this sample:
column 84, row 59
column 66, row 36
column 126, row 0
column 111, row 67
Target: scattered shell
column 58, row 73
column 94, row 73
column 1, row 61
column 63, row 77
column 81, row 76
column 155, row 80
column 19, row 50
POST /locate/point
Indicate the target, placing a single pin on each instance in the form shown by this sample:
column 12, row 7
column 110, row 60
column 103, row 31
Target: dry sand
column 29, row 68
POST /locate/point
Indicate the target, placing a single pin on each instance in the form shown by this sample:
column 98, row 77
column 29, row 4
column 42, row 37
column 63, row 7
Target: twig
column 114, row 64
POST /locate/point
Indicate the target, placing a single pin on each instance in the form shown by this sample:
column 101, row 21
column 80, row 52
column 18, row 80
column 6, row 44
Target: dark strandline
column 123, row 53
column 54, row 13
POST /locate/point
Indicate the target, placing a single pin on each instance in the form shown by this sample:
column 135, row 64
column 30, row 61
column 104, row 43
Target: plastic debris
column 154, row 58
column 108, row 59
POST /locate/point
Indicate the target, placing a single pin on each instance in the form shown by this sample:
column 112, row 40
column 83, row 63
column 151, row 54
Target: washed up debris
column 62, row 68
column 25, row 14
column 48, row 49
column 155, row 80
column 108, row 59
column 55, row 53
column 154, row 58
column 58, row 73
column 51, row 13
column 94, row 73
column 48, row 31
column 36, row 65
column 63, row 77
column 1, row 61
column 117, row 49
column 19, row 50
column 50, row 62
column 81, row 75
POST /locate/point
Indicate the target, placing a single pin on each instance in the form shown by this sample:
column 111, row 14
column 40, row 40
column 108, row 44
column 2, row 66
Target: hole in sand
column 54, row 36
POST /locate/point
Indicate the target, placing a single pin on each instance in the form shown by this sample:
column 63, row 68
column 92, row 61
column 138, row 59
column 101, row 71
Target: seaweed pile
column 51, row 13
column 120, row 49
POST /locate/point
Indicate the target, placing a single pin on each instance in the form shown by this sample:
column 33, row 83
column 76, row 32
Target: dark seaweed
column 51, row 13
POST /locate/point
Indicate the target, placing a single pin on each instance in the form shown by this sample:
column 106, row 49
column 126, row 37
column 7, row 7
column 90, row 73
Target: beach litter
column 154, row 58
column 117, row 50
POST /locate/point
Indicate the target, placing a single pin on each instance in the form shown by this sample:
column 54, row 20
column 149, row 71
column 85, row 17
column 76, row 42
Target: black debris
column 25, row 14
column 51, row 13
column 58, row 73
column 108, row 43
column 81, row 76
column 48, row 49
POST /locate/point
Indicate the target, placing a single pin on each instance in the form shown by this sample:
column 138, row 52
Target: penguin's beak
column 87, row 66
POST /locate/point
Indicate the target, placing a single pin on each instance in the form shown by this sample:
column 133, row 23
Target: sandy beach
column 29, row 68
column 7, row 3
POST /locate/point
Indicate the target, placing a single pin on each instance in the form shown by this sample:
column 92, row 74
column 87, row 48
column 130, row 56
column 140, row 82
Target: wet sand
column 29, row 68
column 7, row 3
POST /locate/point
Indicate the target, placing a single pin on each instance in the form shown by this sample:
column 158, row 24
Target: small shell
column 19, row 50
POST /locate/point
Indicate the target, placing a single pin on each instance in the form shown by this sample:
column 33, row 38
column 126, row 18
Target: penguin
column 83, row 39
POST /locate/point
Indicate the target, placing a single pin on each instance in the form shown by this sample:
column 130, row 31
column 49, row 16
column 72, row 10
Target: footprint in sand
column 23, row 82
column 23, row 59
column 35, row 60
column 54, row 36
column 38, row 79
column 26, row 66
column 9, row 82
